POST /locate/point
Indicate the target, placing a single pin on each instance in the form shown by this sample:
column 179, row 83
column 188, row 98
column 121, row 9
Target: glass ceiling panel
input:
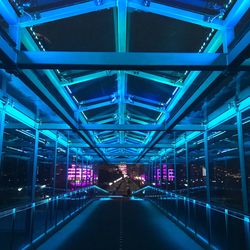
column 76, row 33
column 43, row 5
column 155, row 33
column 199, row 6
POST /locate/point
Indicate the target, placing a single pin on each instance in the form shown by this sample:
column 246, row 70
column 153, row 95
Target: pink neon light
column 79, row 176
column 171, row 174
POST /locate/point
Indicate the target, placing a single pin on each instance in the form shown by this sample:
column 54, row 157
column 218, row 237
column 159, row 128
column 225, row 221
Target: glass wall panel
column 181, row 170
column 197, row 172
column 170, row 174
column 17, row 163
column 45, row 167
column 61, row 169
column 246, row 137
column 225, row 167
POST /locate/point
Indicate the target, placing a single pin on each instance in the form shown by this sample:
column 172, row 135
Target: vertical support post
column 67, row 170
column 34, row 169
column 150, row 173
column 166, row 172
column 154, row 172
column 228, row 35
column 15, row 34
column 2, row 122
column 208, row 194
column 122, row 77
column 175, row 170
column 187, row 168
column 87, row 179
column 82, row 172
column 76, row 166
column 242, row 162
column 161, row 170
column 54, row 172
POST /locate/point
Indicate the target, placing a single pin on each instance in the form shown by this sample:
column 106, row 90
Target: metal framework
column 137, row 129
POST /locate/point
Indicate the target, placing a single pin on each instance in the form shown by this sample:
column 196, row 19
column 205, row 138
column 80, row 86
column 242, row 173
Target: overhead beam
column 8, row 13
column 121, row 76
column 145, row 106
column 86, row 78
column 155, row 78
column 65, row 12
column 124, row 127
column 97, row 105
column 176, row 13
column 121, row 61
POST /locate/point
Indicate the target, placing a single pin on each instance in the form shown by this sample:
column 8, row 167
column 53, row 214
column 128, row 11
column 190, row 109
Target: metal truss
column 122, row 61
column 109, row 63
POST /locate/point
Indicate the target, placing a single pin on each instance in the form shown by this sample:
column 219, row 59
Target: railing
column 215, row 227
column 20, row 227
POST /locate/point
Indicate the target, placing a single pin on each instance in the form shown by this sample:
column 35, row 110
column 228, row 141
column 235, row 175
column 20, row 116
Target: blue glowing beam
column 65, row 12
column 86, row 78
column 179, row 14
column 121, row 76
column 155, row 78
column 121, row 61
column 8, row 13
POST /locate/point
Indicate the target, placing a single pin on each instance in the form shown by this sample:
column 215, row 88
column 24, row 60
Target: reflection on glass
column 225, row 167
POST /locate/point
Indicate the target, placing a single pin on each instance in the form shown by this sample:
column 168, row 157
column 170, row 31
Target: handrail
column 213, row 226
column 24, row 226
column 41, row 202
column 237, row 214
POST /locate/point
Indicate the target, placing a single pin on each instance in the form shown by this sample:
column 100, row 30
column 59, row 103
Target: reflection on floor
column 120, row 224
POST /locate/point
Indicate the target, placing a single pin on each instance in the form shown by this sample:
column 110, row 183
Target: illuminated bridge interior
column 124, row 124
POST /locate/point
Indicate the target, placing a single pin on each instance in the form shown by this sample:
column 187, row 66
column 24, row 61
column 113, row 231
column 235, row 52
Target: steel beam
column 97, row 105
column 54, row 169
column 121, row 127
column 2, row 123
column 65, row 12
column 206, row 154
column 155, row 78
column 176, row 13
column 8, row 13
column 120, row 61
column 8, row 55
column 145, row 106
column 243, row 169
column 67, row 167
column 34, row 168
column 175, row 170
column 86, row 78
column 187, row 167
column 121, row 76
column 238, row 11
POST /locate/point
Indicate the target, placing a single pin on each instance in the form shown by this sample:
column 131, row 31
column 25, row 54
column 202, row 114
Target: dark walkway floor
column 120, row 224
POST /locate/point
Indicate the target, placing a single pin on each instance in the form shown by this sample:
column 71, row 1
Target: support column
column 76, row 162
column 175, row 170
column 187, row 168
column 154, row 172
column 82, row 172
column 161, row 170
column 208, row 194
column 242, row 162
column 150, row 173
column 2, row 122
column 121, row 76
column 34, row 169
column 54, row 172
column 166, row 161
column 67, row 169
